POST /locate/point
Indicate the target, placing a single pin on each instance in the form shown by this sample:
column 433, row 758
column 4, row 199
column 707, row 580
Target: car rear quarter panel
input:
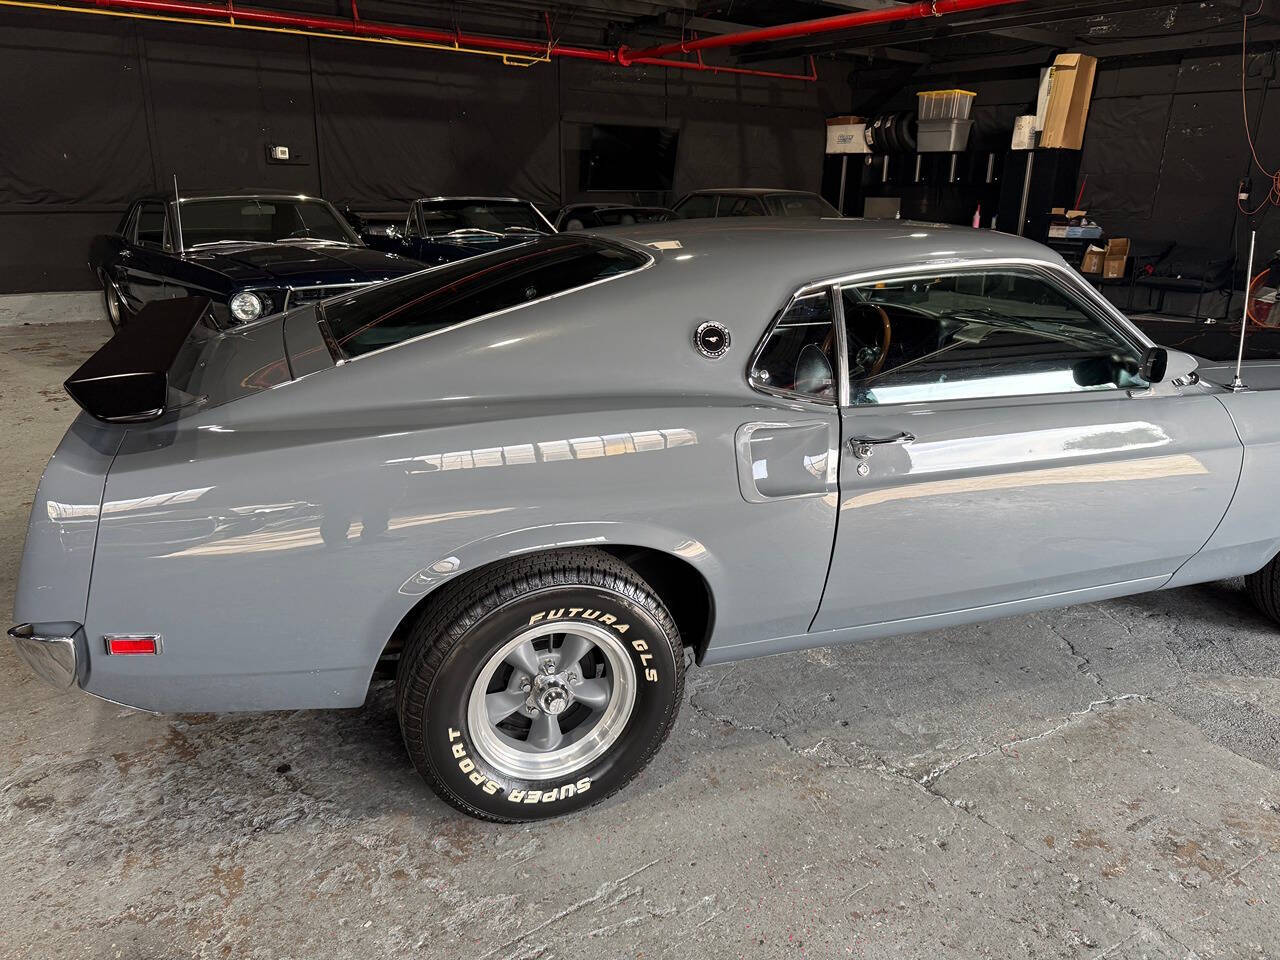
column 277, row 542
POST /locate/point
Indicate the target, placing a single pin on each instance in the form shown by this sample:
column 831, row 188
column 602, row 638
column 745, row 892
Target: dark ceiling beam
column 1030, row 34
column 1260, row 37
column 703, row 25
column 919, row 31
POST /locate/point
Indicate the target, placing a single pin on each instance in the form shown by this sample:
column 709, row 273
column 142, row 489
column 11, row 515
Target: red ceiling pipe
column 355, row 27
column 809, row 28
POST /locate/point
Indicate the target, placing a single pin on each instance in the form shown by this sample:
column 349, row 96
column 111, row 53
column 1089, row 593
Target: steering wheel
column 861, row 352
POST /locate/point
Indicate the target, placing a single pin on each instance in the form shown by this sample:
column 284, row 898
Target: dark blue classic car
column 443, row 229
column 252, row 255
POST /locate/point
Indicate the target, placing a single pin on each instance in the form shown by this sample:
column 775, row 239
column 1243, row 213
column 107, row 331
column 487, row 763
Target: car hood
column 290, row 264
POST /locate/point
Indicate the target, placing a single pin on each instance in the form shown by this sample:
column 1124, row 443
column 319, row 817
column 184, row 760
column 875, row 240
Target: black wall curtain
column 395, row 123
column 97, row 111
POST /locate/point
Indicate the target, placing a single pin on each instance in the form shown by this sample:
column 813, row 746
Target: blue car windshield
column 488, row 216
column 421, row 303
column 261, row 220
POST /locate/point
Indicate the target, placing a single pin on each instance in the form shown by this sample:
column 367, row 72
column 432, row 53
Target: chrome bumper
column 54, row 655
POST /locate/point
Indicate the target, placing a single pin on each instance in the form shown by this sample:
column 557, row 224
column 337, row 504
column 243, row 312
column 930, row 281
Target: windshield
column 250, row 220
column 448, row 216
column 800, row 205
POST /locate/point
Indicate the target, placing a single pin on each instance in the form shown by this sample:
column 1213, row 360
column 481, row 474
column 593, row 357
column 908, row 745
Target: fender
column 403, row 597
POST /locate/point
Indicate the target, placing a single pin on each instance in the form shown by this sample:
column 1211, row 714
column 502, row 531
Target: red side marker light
column 129, row 645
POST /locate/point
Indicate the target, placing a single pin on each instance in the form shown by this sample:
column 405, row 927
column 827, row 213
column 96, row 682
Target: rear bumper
column 54, row 652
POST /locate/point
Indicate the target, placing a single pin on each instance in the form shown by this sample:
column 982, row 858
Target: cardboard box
column 1024, row 133
column 1070, row 91
column 1042, row 96
column 1092, row 262
column 1113, row 259
column 846, row 135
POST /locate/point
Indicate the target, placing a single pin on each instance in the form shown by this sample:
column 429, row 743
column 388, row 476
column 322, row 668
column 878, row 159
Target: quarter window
column 977, row 334
column 799, row 354
column 390, row 313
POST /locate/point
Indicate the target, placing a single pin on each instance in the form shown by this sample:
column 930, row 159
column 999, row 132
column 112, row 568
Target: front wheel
column 1264, row 588
column 114, row 306
column 541, row 687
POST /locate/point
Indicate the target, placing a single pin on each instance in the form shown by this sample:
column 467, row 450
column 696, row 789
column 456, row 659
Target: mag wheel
column 114, row 308
column 541, row 687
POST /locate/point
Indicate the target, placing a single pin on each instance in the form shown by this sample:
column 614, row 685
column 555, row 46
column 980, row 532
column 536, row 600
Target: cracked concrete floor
column 1099, row 781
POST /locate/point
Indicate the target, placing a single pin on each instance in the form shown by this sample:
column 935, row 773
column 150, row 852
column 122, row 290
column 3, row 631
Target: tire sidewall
column 110, row 297
column 450, row 747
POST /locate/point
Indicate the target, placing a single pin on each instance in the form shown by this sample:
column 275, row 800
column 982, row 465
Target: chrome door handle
column 863, row 447
column 126, row 253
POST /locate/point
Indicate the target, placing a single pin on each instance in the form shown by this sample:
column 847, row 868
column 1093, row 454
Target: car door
column 144, row 262
column 1000, row 445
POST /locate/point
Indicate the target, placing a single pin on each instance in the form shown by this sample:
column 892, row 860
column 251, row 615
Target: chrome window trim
column 342, row 221
column 650, row 260
column 416, row 205
column 1071, row 283
column 1054, row 275
column 764, row 388
column 1058, row 271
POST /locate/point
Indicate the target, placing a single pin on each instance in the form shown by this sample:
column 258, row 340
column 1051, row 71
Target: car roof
column 485, row 199
column 228, row 195
column 788, row 252
column 754, row 191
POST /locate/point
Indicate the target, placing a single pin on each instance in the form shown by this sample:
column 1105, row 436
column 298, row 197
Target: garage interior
column 1101, row 780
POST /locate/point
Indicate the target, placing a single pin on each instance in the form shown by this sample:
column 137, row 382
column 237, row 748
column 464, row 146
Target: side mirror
column 1154, row 364
column 1181, row 367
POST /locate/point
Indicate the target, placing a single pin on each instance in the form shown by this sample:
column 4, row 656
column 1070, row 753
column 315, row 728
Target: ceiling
column 1021, row 34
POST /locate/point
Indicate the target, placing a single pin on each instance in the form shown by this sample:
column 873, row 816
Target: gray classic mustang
column 532, row 485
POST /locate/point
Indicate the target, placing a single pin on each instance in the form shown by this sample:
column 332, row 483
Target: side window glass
column 977, row 334
column 698, row 207
column 411, row 225
column 151, row 227
column 741, row 207
column 799, row 354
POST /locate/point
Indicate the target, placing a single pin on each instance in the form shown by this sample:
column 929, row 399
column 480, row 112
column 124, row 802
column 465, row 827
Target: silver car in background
column 533, row 485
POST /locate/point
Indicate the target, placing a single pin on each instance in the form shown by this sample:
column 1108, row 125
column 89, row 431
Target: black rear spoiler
column 127, row 380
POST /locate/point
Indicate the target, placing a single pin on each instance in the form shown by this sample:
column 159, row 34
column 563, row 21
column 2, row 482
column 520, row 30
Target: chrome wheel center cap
column 553, row 699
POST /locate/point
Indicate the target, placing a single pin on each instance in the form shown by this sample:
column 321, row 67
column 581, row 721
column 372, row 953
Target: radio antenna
column 1236, row 383
column 177, row 217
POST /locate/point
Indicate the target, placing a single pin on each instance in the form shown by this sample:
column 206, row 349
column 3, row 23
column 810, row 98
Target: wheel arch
column 681, row 584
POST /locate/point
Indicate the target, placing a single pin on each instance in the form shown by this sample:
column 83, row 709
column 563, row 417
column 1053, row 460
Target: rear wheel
column 541, row 687
column 1264, row 588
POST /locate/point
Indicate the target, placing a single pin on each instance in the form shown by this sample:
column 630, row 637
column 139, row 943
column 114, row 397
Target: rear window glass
column 421, row 303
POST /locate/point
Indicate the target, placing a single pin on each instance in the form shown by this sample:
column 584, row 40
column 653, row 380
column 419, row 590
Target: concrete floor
column 1099, row 781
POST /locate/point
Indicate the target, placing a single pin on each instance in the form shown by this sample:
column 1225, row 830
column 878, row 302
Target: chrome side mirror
column 1180, row 367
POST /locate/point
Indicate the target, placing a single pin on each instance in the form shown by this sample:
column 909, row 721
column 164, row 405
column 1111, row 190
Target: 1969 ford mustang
column 534, row 484
column 251, row 254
